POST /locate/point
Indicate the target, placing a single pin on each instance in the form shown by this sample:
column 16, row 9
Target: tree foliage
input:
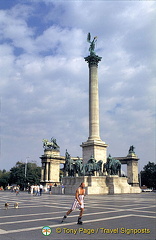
column 4, row 178
column 33, row 175
column 148, row 175
column 21, row 174
column 17, row 174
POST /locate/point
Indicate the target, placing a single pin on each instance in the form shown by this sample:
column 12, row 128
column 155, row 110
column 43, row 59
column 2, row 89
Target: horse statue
column 79, row 167
column 55, row 145
column 90, row 166
column 99, row 166
column 50, row 145
column 69, row 166
column 113, row 166
column 47, row 144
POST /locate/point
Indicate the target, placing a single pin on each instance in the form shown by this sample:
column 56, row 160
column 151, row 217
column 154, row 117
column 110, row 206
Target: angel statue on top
column 92, row 44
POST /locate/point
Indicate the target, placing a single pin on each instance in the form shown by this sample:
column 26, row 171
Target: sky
column 44, row 78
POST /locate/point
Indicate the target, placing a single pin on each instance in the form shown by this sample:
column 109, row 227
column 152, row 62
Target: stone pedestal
column 99, row 185
column 96, row 148
column 96, row 185
column 118, row 185
column 93, row 185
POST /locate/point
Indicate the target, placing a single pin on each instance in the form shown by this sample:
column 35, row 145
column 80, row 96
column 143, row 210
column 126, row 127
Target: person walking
column 17, row 189
column 41, row 189
column 78, row 203
column 50, row 189
column 32, row 189
column 37, row 190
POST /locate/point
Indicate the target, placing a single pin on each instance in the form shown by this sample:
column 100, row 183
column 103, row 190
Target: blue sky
column 44, row 77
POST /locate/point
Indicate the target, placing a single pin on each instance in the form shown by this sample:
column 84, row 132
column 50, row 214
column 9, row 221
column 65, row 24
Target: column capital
column 93, row 59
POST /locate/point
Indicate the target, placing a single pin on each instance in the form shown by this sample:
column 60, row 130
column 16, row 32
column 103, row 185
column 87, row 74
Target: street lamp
column 25, row 172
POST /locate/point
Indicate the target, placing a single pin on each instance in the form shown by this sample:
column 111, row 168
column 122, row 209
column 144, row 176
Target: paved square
column 128, row 216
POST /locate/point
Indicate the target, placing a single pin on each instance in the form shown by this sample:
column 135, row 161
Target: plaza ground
column 127, row 216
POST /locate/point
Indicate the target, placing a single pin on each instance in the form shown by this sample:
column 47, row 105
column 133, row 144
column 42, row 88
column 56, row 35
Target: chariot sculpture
column 50, row 145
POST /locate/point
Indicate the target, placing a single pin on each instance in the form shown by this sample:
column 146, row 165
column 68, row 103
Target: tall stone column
column 94, row 145
column 94, row 133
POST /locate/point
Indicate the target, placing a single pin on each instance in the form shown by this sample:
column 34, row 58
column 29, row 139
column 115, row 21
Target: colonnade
column 50, row 171
column 47, row 171
column 51, row 160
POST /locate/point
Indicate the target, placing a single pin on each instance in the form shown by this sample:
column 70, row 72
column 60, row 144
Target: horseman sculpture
column 79, row 167
column 93, row 167
column 69, row 166
column 112, row 166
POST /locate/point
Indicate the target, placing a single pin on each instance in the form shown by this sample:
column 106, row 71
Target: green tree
column 33, row 175
column 17, row 174
column 23, row 173
column 148, row 175
column 4, row 178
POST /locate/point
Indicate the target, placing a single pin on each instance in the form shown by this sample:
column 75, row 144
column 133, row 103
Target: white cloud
column 14, row 28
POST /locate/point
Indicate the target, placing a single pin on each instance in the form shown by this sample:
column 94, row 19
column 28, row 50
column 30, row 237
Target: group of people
column 35, row 190
column 15, row 189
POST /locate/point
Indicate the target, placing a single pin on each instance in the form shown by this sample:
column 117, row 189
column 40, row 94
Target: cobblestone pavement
column 127, row 216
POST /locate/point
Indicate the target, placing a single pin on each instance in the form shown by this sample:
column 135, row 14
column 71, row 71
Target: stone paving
column 127, row 216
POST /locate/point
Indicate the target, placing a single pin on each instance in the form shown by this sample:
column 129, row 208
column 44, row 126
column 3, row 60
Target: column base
column 97, row 148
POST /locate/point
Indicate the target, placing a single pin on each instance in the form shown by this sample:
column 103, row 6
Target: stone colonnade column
column 47, row 171
column 42, row 174
column 50, row 172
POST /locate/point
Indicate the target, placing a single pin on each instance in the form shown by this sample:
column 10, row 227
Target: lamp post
column 140, row 178
column 25, row 171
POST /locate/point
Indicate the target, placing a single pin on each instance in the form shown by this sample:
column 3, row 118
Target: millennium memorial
column 101, row 174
